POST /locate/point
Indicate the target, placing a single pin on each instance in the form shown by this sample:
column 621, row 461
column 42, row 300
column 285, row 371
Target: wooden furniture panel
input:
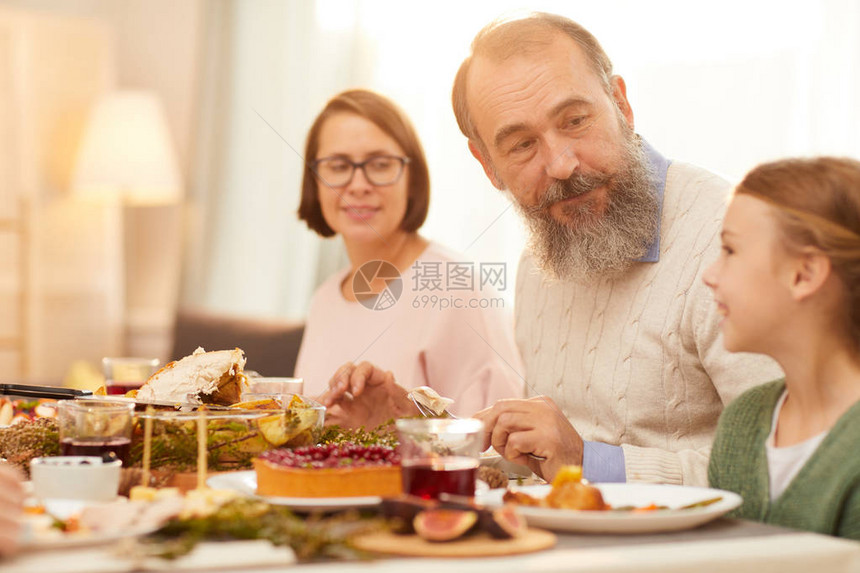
column 60, row 264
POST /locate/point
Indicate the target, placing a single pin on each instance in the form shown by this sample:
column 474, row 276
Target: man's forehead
column 495, row 85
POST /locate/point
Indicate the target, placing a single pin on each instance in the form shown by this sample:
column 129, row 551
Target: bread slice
column 203, row 377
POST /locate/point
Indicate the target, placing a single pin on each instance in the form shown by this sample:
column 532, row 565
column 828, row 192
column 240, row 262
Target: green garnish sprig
column 312, row 538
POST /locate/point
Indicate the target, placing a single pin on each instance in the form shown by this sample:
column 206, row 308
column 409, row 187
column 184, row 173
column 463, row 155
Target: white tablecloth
column 726, row 546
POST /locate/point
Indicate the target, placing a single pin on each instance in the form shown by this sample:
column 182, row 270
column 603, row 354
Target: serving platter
column 626, row 521
column 478, row 545
column 245, row 483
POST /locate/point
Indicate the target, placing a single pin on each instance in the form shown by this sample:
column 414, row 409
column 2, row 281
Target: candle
column 147, row 445
column 201, row 448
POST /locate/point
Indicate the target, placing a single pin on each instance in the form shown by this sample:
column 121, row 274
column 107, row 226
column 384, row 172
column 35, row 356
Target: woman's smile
column 360, row 212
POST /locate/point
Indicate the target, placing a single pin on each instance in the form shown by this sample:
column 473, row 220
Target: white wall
column 723, row 84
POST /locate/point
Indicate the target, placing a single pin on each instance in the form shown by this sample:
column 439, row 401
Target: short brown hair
column 383, row 113
column 505, row 38
column 817, row 204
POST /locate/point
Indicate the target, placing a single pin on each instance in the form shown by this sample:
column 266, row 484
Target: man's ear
column 477, row 153
column 619, row 94
column 811, row 271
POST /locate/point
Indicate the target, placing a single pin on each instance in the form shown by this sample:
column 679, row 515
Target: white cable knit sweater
column 637, row 360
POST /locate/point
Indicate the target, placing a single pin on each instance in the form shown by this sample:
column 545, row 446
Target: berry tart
column 342, row 470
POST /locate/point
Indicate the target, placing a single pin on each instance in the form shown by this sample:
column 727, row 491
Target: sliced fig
column 401, row 511
column 503, row 522
column 443, row 524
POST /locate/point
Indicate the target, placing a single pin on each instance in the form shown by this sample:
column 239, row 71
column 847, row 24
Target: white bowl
column 86, row 478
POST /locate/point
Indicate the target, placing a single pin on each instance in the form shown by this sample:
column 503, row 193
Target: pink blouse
column 441, row 332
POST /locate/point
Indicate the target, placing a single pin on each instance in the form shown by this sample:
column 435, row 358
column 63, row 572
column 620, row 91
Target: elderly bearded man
column 618, row 334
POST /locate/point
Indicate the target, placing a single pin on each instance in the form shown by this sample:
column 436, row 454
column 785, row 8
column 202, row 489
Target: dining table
column 723, row 545
column 720, row 545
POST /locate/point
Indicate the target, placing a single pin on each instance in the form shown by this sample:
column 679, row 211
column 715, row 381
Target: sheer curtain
column 724, row 84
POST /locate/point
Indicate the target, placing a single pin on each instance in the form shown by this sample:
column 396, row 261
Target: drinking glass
column 127, row 373
column 439, row 455
column 271, row 385
column 95, row 427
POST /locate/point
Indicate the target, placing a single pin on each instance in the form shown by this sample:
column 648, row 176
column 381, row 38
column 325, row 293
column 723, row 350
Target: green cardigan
column 825, row 494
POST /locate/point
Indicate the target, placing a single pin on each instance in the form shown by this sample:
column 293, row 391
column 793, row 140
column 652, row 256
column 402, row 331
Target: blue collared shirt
column 659, row 167
column 605, row 462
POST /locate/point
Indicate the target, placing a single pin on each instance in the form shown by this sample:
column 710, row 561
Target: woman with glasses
column 394, row 307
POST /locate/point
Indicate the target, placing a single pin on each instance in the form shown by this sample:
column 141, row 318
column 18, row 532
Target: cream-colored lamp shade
column 127, row 151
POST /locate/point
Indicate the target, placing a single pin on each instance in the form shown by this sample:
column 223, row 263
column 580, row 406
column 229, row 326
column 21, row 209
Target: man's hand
column 364, row 395
column 516, row 428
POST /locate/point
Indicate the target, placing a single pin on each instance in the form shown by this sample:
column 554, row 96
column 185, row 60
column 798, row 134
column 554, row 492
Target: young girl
column 788, row 285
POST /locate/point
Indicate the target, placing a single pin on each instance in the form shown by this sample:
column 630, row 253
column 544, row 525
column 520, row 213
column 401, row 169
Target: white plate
column 39, row 536
column 246, row 484
column 623, row 494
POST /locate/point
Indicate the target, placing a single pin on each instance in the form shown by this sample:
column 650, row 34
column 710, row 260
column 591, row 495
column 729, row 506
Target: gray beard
column 590, row 246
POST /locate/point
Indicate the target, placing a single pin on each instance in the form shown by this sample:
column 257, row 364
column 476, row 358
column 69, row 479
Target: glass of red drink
column 439, row 455
column 95, row 427
column 127, row 373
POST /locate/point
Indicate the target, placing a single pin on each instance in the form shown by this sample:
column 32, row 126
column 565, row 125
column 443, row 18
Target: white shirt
column 784, row 463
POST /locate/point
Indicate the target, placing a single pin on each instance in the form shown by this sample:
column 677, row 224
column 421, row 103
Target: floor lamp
column 127, row 159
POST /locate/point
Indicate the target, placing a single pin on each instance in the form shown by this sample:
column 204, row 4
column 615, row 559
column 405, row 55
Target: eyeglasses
column 378, row 170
